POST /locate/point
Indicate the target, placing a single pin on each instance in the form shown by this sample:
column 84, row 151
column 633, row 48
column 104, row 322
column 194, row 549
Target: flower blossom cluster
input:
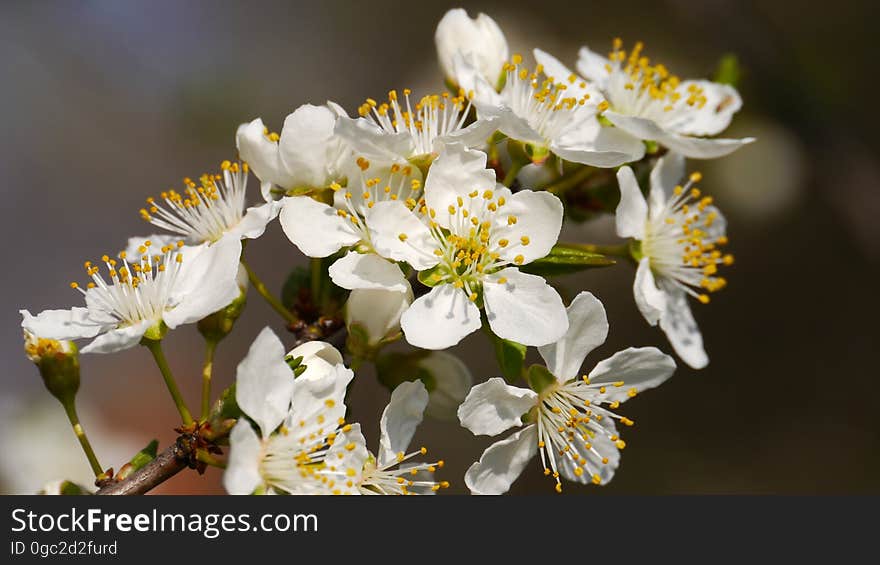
column 435, row 215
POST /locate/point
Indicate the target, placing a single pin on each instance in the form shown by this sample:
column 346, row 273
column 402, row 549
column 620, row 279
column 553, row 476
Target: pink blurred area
column 106, row 103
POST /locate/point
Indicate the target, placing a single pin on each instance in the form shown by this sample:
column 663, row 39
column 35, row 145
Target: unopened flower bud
column 373, row 315
column 58, row 362
column 479, row 41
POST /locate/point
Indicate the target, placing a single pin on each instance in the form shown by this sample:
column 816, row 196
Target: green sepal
column 156, row 332
column 564, row 259
column 218, row 325
column 539, row 378
column 433, row 276
column 729, row 70
column 226, row 407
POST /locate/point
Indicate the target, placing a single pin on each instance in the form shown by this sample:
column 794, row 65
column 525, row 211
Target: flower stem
column 70, row 408
column 207, row 369
column 316, row 273
column 510, row 176
column 276, row 304
column 570, row 180
column 155, row 347
column 209, row 459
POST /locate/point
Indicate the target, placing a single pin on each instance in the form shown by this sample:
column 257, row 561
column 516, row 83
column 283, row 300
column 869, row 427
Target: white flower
column 178, row 285
column 357, row 471
column 552, row 114
column 402, row 132
column 681, row 235
column 649, row 103
column 478, row 40
column 205, row 212
column 307, row 413
column 377, row 311
column 570, row 419
column 473, row 234
column 306, row 156
column 319, row 229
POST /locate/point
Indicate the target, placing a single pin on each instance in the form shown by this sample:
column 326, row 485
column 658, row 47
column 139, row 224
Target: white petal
column 722, row 102
column 666, row 174
column 61, row 324
column 306, row 143
column 367, row 270
column 554, row 69
column 474, row 135
column 261, row 154
column 314, row 227
column 455, row 173
column 590, row 143
column 377, row 311
column 587, row 330
column 242, row 474
column 118, row 339
column 157, row 241
column 387, row 221
column 650, row 300
column 264, row 382
column 632, row 212
column 508, row 122
column 494, row 406
column 206, row 283
column 593, row 67
column 524, row 308
column 703, row 148
column 639, row 368
column 400, row 419
column 368, row 140
column 452, row 382
column 692, row 147
column 502, row 463
column 678, row 323
column 538, row 219
column 255, row 220
column 440, row 319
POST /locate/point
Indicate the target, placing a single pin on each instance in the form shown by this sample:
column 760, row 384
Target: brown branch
column 163, row 467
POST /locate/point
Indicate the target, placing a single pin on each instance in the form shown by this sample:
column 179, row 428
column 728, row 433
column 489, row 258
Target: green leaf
column 431, row 277
column 540, row 378
column 564, row 259
column 510, row 355
column 140, row 459
column 145, row 455
column 729, row 70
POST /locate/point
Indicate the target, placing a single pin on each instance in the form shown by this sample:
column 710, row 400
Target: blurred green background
column 105, row 103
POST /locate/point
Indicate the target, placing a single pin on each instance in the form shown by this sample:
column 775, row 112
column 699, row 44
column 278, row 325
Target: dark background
column 105, row 103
